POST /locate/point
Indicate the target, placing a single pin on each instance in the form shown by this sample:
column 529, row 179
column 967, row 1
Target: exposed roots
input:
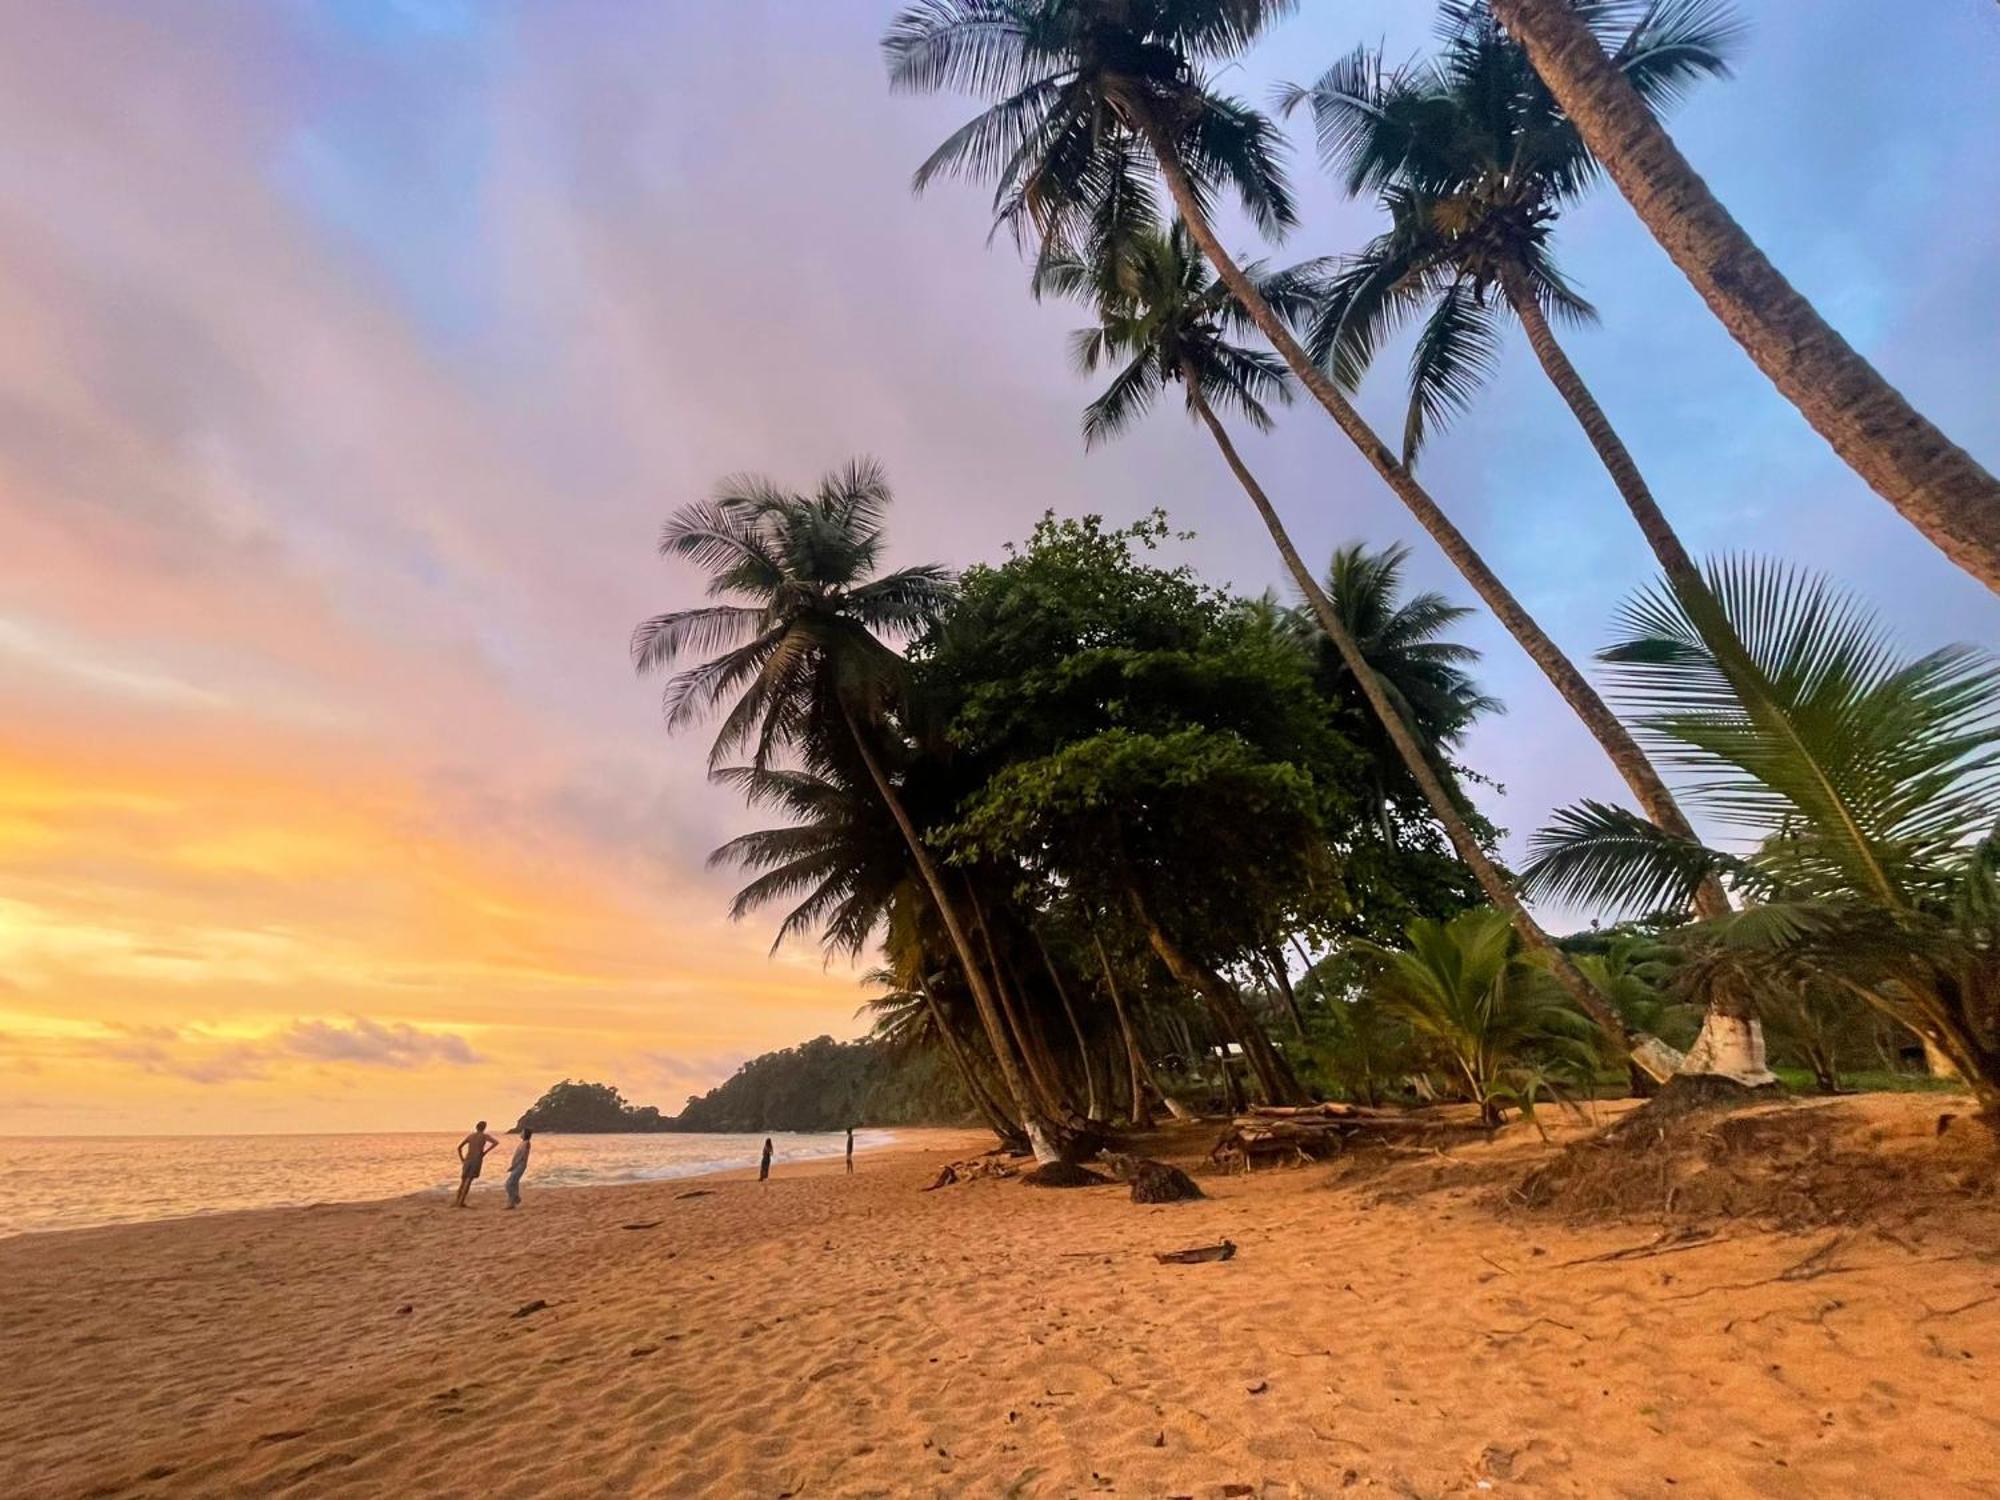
column 1707, row 1149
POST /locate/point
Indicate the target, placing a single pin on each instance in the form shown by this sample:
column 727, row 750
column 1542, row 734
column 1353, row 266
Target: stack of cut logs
column 1284, row 1134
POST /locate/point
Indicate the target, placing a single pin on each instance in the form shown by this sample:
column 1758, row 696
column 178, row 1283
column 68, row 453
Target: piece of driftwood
column 1196, row 1254
column 971, row 1171
column 1307, row 1133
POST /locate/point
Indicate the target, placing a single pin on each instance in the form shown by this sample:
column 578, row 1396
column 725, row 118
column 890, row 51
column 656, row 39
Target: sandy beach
column 1388, row 1325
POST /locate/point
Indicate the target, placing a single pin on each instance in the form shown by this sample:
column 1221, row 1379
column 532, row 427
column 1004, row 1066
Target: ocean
column 75, row 1182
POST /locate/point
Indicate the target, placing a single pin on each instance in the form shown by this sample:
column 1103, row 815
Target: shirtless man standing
column 471, row 1152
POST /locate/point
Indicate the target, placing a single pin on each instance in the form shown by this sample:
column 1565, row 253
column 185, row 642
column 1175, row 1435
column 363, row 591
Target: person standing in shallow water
column 516, row 1167
column 850, row 1151
column 471, row 1155
column 764, row 1166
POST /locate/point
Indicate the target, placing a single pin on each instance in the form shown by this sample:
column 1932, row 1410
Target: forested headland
column 818, row 1085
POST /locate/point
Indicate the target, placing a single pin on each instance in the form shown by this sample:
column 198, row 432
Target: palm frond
column 1457, row 351
column 1787, row 697
column 1599, row 855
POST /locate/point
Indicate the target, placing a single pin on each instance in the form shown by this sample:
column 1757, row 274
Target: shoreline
column 896, row 1137
column 1385, row 1326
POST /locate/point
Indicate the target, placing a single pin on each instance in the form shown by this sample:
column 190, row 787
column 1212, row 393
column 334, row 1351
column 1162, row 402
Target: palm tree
column 1467, row 992
column 1165, row 322
column 1094, row 96
column 1933, row 483
column 1475, row 164
column 1401, row 639
column 799, row 649
column 1867, row 780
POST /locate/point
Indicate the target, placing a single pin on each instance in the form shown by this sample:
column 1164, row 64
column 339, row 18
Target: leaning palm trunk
column 1933, row 483
column 1042, row 1076
column 1732, row 1038
column 1141, row 1071
column 1655, row 1056
column 1093, row 1108
column 1274, row 1075
column 1044, row 1136
column 961, row 1060
column 1274, row 960
column 1653, row 797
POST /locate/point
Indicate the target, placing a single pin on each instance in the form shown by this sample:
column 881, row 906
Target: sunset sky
column 354, row 350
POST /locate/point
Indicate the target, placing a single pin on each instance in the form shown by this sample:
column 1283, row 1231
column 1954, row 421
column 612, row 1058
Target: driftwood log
column 971, row 1171
column 1305, row 1133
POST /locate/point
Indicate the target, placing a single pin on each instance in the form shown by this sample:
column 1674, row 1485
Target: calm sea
column 73, row 1182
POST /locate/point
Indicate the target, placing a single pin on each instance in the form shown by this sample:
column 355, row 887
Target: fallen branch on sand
column 646, row 1224
column 1667, row 1242
column 971, row 1171
column 1196, row 1255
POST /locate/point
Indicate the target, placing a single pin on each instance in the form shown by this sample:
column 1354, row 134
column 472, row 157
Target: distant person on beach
column 850, row 1151
column 764, row 1166
column 516, row 1167
column 471, row 1155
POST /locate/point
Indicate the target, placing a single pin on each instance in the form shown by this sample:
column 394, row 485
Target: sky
column 352, row 352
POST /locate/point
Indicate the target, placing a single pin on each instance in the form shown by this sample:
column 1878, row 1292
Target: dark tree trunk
column 1048, row 1137
column 1274, row 1075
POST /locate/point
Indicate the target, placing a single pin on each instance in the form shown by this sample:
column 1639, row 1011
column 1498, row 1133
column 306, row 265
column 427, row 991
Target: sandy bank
column 855, row 1336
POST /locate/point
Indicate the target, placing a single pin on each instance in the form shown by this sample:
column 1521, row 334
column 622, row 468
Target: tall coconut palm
column 1163, row 321
column 1933, row 483
column 1402, row 640
column 1868, row 782
column 799, row 649
column 1475, row 165
column 1095, row 96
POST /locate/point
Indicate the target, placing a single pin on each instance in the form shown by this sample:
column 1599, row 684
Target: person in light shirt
column 516, row 1167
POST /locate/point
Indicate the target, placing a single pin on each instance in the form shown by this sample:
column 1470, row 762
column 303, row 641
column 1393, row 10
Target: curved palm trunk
column 975, row 1086
column 1044, row 1135
column 1650, row 791
column 1274, row 959
column 1609, row 447
column 1649, row 1052
column 1933, row 483
column 1141, row 1071
column 1041, row 1069
column 1093, row 1108
column 1274, row 1075
column 1732, row 1038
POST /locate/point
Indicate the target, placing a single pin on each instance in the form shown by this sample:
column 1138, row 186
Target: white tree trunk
column 1940, row 1066
column 1732, row 1046
column 1038, row 1142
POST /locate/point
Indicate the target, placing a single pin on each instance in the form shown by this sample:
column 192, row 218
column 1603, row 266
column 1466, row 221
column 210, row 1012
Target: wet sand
column 836, row 1336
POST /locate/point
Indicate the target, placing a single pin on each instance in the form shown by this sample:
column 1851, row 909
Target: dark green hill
column 818, row 1085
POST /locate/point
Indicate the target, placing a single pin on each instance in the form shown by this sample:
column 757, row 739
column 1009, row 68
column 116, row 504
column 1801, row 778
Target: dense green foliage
column 829, row 1085
column 589, row 1109
column 818, row 1085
